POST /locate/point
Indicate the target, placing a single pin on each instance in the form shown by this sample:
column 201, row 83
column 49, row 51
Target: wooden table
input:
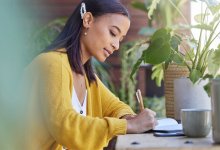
column 149, row 142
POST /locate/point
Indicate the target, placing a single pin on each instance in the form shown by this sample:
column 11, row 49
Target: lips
column 108, row 51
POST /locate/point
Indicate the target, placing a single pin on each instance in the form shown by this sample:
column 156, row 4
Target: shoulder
column 54, row 61
column 51, row 59
column 48, row 58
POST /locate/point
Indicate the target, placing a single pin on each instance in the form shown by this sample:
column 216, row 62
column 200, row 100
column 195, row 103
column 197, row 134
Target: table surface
column 149, row 141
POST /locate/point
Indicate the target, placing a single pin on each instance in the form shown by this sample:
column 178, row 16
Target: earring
column 85, row 33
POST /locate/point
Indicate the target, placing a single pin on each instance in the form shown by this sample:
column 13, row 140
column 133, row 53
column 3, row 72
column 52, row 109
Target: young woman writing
column 70, row 107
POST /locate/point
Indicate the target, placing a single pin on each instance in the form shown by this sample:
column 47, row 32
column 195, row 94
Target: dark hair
column 69, row 38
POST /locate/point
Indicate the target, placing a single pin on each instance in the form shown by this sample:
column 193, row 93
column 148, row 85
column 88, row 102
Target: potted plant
column 160, row 14
column 163, row 14
column 205, row 62
column 201, row 60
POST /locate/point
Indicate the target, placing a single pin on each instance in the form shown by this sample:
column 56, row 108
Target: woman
column 70, row 107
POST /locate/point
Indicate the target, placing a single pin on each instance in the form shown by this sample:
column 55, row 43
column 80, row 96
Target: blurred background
column 50, row 16
column 29, row 26
column 45, row 19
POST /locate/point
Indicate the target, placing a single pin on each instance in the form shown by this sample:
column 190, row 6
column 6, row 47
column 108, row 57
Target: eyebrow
column 118, row 30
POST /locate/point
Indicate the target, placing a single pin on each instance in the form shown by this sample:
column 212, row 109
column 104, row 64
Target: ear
column 88, row 19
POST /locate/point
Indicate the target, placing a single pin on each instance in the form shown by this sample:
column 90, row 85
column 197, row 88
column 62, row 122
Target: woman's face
column 104, row 35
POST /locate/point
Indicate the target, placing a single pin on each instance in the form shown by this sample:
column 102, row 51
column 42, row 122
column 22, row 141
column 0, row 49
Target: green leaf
column 215, row 19
column 159, row 49
column 207, row 88
column 207, row 76
column 177, row 59
column 216, row 56
column 195, row 75
column 163, row 33
column 170, row 59
column 152, row 7
column 213, row 67
column 166, row 65
column 199, row 17
column 214, row 9
column 157, row 74
column 158, row 52
column 159, row 78
column 139, row 5
column 135, row 68
column 189, row 54
column 203, row 26
column 175, row 42
column 208, row 27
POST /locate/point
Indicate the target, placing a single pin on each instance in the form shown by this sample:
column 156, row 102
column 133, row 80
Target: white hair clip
column 83, row 10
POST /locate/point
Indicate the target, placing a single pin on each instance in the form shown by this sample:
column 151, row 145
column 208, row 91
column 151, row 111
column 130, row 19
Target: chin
column 101, row 59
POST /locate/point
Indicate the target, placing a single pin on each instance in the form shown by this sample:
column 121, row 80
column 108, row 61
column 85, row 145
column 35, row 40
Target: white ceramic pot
column 189, row 95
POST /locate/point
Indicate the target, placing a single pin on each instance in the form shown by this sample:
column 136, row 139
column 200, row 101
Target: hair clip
column 83, row 9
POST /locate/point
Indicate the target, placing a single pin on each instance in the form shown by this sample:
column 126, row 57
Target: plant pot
column 189, row 95
column 173, row 71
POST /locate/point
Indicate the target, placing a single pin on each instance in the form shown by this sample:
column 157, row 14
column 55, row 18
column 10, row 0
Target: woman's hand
column 142, row 122
column 128, row 117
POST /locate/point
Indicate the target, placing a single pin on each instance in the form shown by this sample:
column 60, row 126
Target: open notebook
column 166, row 125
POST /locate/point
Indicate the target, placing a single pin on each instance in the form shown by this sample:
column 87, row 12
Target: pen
column 140, row 99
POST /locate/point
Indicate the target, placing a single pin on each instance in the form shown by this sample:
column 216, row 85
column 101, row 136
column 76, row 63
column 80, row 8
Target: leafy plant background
column 198, row 57
column 160, row 13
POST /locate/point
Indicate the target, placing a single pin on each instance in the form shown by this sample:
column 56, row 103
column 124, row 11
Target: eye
column 112, row 33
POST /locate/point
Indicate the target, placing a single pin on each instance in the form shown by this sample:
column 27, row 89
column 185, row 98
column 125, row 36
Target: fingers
column 128, row 117
column 151, row 120
column 155, row 122
column 141, row 122
column 150, row 111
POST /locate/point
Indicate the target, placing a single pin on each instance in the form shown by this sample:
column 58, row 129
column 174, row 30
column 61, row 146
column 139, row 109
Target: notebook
column 168, row 125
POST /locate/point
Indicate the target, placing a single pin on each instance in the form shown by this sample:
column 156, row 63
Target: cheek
column 97, row 39
column 100, row 38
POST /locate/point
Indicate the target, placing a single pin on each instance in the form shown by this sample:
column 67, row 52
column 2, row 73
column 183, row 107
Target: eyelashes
column 112, row 33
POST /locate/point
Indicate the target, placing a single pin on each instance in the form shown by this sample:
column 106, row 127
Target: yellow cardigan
column 52, row 119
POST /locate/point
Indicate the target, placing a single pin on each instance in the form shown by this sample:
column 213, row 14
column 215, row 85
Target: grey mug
column 196, row 122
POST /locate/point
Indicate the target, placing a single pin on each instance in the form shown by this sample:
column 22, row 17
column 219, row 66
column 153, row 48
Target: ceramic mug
column 196, row 122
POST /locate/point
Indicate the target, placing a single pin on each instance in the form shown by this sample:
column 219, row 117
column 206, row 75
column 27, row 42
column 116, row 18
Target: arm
column 65, row 125
column 112, row 106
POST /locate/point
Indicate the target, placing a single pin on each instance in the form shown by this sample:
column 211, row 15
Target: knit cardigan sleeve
column 65, row 125
column 111, row 104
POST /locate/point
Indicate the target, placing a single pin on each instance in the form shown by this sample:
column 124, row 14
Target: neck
column 84, row 54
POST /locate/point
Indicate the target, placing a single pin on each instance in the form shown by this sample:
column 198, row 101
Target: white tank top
column 81, row 109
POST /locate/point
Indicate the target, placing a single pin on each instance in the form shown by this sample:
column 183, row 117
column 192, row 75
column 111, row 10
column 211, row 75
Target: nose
column 115, row 44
